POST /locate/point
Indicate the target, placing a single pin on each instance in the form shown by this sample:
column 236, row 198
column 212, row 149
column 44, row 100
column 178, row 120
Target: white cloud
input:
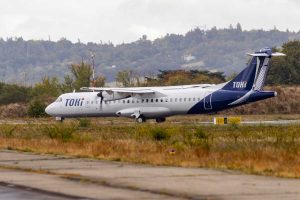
column 127, row 20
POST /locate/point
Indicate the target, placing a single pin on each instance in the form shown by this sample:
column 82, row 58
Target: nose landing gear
column 61, row 119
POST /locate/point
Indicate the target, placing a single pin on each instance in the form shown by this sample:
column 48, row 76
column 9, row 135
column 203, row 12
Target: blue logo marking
column 74, row 102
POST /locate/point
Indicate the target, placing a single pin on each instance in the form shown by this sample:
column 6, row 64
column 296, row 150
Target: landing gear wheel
column 160, row 119
column 60, row 119
column 140, row 119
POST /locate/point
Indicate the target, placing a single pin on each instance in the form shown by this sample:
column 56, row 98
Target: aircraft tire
column 140, row 119
column 160, row 119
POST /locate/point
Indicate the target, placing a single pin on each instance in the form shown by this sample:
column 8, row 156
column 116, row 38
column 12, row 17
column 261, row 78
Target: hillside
column 286, row 102
column 216, row 49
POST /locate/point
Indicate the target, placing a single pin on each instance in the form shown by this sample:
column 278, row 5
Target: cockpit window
column 59, row 99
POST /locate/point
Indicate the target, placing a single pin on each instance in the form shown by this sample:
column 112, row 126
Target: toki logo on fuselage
column 240, row 84
column 74, row 102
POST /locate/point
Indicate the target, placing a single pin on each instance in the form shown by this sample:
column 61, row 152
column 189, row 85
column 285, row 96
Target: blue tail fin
column 254, row 75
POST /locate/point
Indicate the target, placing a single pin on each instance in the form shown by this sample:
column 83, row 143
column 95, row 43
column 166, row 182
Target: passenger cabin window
column 147, row 100
column 151, row 100
column 156, row 100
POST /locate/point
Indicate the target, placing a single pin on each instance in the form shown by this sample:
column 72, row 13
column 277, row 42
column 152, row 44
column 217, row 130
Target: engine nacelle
column 148, row 112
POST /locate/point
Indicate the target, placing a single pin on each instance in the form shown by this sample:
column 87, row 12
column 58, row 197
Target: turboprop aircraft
column 144, row 103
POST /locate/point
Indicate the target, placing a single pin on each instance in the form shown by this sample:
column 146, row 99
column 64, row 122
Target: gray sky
column 127, row 20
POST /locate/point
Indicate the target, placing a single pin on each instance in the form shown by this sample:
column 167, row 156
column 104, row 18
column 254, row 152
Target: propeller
column 101, row 96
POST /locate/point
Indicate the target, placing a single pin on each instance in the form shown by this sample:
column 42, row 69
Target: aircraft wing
column 119, row 90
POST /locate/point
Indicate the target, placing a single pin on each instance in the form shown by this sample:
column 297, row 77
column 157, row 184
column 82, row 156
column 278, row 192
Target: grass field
column 262, row 149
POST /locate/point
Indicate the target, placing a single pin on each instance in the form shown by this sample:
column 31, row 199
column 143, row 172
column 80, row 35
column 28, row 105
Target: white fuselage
column 166, row 101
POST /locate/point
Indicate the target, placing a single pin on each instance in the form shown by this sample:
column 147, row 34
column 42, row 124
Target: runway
column 65, row 177
column 16, row 192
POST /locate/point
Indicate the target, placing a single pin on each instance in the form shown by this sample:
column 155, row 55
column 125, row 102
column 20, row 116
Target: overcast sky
column 127, row 20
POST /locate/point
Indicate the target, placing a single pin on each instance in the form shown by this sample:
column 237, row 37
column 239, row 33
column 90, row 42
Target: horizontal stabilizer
column 265, row 54
column 278, row 54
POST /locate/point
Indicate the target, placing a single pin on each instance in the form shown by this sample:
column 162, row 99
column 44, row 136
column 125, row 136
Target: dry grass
column 286, row 102
column 13, row 110
column 267, row 150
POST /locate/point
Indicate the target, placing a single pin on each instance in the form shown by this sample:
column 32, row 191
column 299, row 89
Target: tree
column 82, row 75
column 49, row 87
column 286, row 70
column 239, row 27
column 14, row 93
column 182, row 77
column 100, row 81
column 37, row 109
column 67, row 85
column 179, row 77
column 124, row 77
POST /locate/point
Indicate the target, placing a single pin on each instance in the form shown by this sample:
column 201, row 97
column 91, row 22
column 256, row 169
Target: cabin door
column 207, row 102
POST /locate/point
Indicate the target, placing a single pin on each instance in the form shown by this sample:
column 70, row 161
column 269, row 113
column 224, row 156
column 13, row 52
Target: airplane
column 142, row 103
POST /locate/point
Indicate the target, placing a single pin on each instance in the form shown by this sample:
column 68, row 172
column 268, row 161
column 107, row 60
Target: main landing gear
column 140, row 119
column 160, row 119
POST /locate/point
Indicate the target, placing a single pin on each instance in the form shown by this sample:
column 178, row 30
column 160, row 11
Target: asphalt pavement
column 16, row 192
column 65, row 177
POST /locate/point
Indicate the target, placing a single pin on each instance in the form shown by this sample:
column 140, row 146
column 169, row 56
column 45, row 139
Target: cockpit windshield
column 59, row 99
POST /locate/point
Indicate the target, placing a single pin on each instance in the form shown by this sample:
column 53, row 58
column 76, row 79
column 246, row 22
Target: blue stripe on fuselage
column 221, row 99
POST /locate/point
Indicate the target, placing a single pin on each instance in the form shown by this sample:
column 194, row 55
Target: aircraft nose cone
column 49, row 109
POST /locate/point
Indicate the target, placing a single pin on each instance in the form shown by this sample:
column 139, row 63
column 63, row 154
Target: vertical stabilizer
column 254, row 75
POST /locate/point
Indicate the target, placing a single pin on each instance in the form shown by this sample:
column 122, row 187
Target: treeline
column 283, row 71
column 286, row 70
column 129, row 78
column 31, row 101
column 81, row 76
column 224, row 50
